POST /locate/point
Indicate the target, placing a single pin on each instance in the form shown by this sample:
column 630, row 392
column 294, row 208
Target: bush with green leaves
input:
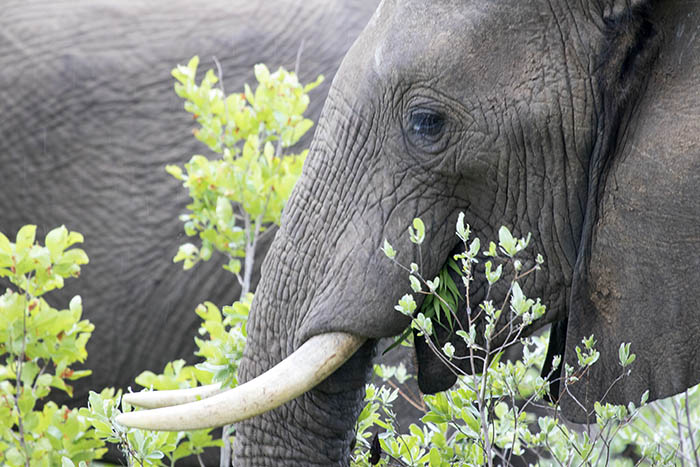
column 485, row 418
column 236, row 197
column 38, row 345
column 140, row 447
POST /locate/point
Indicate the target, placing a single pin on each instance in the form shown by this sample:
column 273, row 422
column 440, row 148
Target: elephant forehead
column 410, row 36
column 470, row 47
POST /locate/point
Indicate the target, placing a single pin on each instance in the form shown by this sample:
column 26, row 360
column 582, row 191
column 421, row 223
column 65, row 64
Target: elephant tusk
column 155, row 399
column 310, row 364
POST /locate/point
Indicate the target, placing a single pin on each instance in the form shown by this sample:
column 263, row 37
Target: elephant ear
column 638, row 271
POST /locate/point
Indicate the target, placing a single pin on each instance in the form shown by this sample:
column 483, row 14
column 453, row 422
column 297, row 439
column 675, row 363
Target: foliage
column 39, row 344
column 486, row 418
column 235, row 199
column 140, row 447
column 222, row 351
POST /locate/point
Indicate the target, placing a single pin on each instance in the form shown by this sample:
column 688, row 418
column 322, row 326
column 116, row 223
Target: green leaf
column 493, row 276
column 25, row 238
column 399, row 340
column 74, row 256
column 406, row 306
column 5, row 245
column 501, row 410
column 506, row 241
column 262, row 74
column 175, row 171
column 449, row 350
column 56, row 241
column 224, row 211
column 417, row 233
column 415, row 283
column 435, row 457
column 625, row 357
column 76, row 305
column 314, row 84
column 388, row 250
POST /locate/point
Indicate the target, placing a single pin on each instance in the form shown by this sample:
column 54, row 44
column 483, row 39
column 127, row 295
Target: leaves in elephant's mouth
column 432, row 307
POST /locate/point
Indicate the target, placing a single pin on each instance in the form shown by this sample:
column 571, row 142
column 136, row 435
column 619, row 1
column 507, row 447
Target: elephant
column 576, row 121
column 91, row 120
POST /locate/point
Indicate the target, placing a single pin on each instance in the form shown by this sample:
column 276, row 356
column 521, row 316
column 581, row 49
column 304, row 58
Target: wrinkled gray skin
column 577, row 122
column 89, row 122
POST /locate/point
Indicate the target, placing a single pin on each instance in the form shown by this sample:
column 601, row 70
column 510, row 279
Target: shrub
column 39, row 344
column 236, row 198
column 484, row 419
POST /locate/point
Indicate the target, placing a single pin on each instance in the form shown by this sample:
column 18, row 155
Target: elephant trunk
column 317, row 427
column 320, row 277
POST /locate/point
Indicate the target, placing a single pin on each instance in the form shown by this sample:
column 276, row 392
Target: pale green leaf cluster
column 221, row 342
column 140, row 447
column 387, row 372
column 238, row 195
column 226, row 334
column 235, row 198
column 39, row 269
column 273, row 112
column 484, row 418
column 222, row 337
column 38, row 346
column 176, row 375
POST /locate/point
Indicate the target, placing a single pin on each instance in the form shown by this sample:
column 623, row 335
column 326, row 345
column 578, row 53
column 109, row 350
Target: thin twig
column 225, row 457
column 680, row 430
column 408, row 398
column 690, row 431
column 301, row 48
column 221, row 81
column 18, row 389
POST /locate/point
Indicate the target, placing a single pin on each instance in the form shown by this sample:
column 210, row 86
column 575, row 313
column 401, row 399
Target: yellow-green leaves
column 223, row 349
column 39, row 269
column 238, row 195
column 38, row 344
column 143, row 448
column 417, row 232
column 176, row 375
column 274, row 110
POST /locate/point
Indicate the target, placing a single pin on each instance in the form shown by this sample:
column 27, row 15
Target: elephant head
column 526, row 114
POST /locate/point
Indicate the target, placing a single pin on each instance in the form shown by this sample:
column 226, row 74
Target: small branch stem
column 298, row 61
column 691, row 435
column 680, row 431
column 482, row 405
column 18, row 387
column 418, row 405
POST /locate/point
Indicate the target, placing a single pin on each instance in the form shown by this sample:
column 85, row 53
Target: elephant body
column 90, row 120
column 575, row 121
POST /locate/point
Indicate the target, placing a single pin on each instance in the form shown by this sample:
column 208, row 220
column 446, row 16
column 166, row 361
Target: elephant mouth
column 210, row 406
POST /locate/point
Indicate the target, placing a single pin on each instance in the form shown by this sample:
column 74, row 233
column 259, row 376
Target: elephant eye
column 427, row 124
column 425, row 130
